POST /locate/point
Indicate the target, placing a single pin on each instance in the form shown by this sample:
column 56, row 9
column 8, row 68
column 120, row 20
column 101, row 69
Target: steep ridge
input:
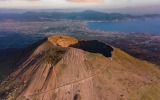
column 63, row 68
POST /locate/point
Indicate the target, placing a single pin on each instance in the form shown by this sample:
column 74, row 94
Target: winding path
column 29, row 96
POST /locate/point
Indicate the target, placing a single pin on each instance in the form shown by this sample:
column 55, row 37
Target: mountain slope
column 59, row 69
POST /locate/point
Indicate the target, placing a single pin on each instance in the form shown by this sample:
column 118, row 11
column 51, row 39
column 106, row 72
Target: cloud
column 19, row 0
column 85, row 0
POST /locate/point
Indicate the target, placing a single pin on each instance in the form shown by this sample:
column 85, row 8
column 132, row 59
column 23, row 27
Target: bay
column 143, row 26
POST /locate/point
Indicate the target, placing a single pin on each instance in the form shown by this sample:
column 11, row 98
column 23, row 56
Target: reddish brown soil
column 81, row 75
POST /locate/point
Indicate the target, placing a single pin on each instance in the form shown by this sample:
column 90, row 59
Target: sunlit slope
column 54, row 72
column 63, row 41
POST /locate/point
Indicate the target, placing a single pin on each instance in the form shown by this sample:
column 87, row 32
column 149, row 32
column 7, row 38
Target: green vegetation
column 107, row 72
column 92, row 57
column 13, row 94
column 52, row 56
column 152, row 93
column 143, row 65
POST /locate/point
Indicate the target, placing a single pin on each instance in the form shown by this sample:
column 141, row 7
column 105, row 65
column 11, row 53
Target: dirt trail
column 80, row 74
column 74, row 58
column 70, row 83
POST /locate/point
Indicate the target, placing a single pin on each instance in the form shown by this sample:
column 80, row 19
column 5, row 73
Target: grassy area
column 124, row 57
column 152, row 93
column 52, row 56
column 92, row 57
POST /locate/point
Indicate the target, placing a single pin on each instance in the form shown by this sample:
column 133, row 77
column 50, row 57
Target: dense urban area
column 14, row 34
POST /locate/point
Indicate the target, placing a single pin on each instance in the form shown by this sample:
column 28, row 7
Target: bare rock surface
column 62, row 68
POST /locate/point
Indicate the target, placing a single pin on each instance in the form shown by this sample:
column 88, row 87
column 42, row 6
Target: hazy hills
column 136, row 10
column 85, row 15
column 64, row 68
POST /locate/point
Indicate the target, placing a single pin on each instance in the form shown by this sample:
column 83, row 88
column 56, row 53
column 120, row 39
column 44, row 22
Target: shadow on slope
column 8, row 59
column 94, row 46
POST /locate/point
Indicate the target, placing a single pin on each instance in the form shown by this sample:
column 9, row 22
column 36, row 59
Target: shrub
column 52, row 56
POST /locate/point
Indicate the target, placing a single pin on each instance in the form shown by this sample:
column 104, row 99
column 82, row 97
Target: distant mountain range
column 136, row 10
column 139, row 10
column 85, row 15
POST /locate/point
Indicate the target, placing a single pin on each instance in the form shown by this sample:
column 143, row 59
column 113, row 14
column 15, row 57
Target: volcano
column 65, row 68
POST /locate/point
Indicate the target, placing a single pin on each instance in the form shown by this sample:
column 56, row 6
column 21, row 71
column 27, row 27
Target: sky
column 57, row 4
